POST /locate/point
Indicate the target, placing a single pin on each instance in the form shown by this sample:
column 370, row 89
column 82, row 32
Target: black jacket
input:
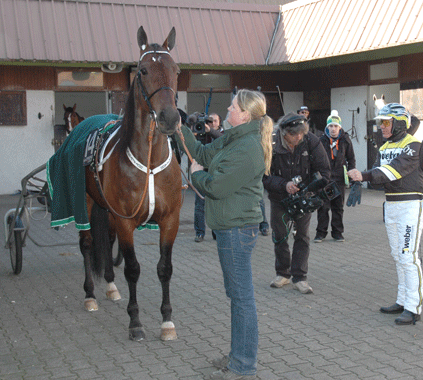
column 345, row 156
column 308, row 158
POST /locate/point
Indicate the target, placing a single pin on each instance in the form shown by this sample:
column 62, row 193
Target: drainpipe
column 274, row 34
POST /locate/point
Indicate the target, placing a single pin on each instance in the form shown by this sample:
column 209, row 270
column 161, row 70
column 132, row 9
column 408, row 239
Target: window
column 80, row 79
column 384, row 71
column 205, row 81
column 13, row 108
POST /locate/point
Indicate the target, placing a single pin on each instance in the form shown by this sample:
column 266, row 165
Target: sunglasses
column 385, row 123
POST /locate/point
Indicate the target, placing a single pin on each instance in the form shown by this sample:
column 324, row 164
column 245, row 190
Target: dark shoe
column 338, row 237
column 394, row 309
column 264, row 231
column 319, row 238
column 407, row 318
column 227, row 374
column 199, row 238
column 221, row 363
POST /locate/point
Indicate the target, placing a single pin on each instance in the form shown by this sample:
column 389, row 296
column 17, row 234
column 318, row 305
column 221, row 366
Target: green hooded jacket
column 233, row 184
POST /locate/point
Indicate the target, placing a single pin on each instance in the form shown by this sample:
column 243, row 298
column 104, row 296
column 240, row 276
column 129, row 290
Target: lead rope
column 179, row 132
column 150, row 147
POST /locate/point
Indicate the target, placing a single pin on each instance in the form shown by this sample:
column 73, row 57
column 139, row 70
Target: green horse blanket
column 66, row 175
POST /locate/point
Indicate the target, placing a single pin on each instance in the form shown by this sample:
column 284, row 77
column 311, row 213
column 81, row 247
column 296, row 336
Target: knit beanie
column 334, row 118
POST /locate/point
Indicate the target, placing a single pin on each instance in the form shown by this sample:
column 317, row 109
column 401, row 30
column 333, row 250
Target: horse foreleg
column 164, row 272
column 132, row 274
column 112, row 293
column 85, row 245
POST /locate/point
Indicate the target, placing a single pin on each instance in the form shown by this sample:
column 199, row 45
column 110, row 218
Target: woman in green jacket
column 233, row 187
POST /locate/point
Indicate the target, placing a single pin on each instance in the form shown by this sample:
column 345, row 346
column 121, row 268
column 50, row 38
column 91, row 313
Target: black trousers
column 285, row 266
column 336, row 206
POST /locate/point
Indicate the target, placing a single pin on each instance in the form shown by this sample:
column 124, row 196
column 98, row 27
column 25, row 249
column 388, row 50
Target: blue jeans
column 199, row 217
column 235, row 246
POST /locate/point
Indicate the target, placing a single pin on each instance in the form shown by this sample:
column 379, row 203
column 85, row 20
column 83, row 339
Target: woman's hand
column 195, row 167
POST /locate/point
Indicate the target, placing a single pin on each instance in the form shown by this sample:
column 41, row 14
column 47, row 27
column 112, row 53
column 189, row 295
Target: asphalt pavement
column 335, row 333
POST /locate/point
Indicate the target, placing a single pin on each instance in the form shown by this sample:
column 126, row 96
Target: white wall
column 292, row 101
column 350, row 98
column 25, row 148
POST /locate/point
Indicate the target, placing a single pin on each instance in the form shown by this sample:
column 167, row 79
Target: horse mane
column 127, row 129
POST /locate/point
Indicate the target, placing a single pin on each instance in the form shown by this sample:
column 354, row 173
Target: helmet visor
column 380, row 119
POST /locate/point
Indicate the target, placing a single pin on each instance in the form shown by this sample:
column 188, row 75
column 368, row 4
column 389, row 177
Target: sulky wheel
column 15, row 245
column 117, row 255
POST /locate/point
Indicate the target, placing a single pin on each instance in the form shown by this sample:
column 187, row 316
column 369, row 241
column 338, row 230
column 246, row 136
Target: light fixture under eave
column 112, row 67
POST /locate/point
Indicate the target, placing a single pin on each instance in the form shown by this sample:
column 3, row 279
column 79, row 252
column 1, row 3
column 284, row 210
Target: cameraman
column 205, row 129
column 296, row 152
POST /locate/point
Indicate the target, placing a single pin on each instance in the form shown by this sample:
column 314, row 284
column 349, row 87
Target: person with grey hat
column 341, row 156
column 296, row 153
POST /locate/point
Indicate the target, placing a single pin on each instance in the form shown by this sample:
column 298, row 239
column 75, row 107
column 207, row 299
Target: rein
column 179, row 132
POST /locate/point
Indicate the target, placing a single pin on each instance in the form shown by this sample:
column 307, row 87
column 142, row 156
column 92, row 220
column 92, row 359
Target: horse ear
column 170, row 40
column 142, row 38
column 374, row 97
column 74, row 107
column 64, row 107
column 383, row 97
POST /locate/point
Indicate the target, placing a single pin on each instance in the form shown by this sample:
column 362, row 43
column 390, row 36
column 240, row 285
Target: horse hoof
column 113, row 295
column 136, row 334
column 168, row 331
column 112, row 292
column 91, row 304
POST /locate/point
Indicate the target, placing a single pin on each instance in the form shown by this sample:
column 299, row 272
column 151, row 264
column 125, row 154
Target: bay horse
column 71, row 117
column 123, row 196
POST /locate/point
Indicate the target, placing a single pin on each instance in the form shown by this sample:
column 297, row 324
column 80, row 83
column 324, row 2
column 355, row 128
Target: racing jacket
column 308, row 157
column 398, row 169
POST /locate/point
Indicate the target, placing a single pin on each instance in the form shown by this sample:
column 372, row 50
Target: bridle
column 144, row 91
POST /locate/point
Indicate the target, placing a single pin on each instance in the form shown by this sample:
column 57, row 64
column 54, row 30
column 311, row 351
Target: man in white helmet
column 399, row 170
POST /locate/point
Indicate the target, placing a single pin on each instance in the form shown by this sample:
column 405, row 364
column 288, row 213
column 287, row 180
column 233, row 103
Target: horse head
column 71, row 117
column 157, row 80
column 379, row 103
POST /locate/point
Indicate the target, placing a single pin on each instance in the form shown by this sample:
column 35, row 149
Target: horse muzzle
column 168, row 121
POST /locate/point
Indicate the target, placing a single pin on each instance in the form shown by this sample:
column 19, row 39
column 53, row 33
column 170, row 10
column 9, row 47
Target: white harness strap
column 101, row 158
column 140, row 166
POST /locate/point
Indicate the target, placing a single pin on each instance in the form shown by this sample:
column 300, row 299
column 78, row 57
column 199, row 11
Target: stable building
column 326, row 54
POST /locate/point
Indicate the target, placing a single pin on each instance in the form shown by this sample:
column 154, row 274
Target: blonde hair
column 255, row 103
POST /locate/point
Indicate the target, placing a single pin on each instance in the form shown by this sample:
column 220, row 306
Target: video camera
column 310, row 197
column 199, row 124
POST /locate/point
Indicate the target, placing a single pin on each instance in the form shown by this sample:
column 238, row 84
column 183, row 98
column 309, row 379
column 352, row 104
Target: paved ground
column 335, row 333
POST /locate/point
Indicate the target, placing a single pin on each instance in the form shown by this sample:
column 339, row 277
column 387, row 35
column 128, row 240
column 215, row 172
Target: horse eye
column 143, row 71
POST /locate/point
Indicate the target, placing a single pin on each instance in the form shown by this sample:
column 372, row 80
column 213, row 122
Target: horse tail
column 101, row 248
